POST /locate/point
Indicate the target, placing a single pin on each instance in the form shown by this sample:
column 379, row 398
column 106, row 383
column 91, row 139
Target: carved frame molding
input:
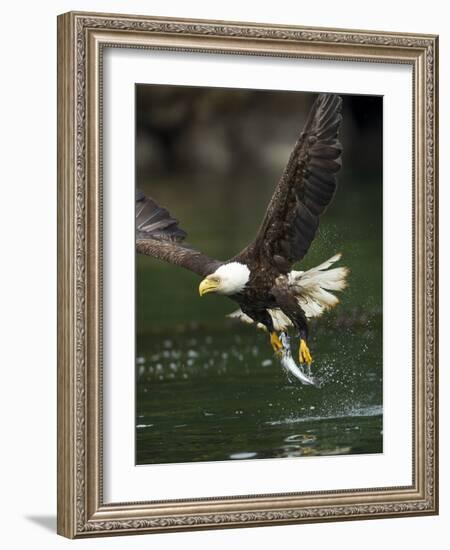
column 81, row 39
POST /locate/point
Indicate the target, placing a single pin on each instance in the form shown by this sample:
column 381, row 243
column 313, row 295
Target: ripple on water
column 357, row 412
column 242, row 456
column 300, row 438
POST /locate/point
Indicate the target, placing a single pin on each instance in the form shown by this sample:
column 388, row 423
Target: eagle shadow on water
column 260, row 278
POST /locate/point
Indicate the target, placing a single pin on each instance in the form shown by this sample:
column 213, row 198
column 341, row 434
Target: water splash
column 376, row 410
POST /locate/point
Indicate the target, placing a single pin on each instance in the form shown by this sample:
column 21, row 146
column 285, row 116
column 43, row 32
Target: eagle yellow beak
column 207, row 286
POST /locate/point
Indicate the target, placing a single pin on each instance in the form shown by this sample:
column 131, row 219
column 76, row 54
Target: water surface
column 224, row 396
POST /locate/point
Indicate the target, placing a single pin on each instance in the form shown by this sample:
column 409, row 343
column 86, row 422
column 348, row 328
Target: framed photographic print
column 247, row 274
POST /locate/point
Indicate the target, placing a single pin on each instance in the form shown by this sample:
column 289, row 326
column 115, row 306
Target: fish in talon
column 288, row 363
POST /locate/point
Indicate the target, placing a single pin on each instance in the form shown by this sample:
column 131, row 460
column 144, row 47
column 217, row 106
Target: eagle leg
column 304, row 354
column 277, row 346
column 291, row 308
column 263, row 316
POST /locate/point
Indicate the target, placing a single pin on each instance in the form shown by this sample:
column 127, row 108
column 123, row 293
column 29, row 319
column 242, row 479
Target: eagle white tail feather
column 312, row 291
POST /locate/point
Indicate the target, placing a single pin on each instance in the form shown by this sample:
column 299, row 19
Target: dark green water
column 209, row 389
column 223, row 395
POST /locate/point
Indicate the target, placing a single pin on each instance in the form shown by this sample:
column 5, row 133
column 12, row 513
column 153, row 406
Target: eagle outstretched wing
column 303, row 192
column 158, row 235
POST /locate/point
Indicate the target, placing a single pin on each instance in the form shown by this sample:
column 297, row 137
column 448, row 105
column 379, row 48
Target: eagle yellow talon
column 276, row 343
column 304, row 354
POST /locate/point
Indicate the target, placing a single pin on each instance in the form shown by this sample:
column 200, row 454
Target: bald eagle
column 260, row 279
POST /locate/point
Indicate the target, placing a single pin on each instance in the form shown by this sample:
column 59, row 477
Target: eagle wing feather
column 305, row 189
column 158, row 235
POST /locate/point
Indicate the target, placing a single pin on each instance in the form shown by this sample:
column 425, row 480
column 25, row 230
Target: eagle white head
column 228, row 279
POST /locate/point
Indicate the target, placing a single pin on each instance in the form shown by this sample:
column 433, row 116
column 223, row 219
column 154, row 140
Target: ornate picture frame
column 82, row 38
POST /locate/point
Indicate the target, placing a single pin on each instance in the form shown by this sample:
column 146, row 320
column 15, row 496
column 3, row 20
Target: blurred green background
column 208, row 388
